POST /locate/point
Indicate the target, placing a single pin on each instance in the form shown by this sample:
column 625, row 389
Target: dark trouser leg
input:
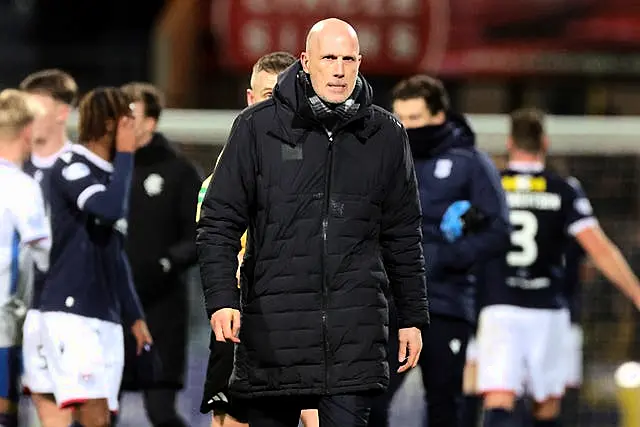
column 161, row 408
column 8, row 420
column 379, row 416
column 273, row 412
column 345, row 410
column 498, row 418
column 471, row 410
column 523, row 412
column 570, row 407
column 442, row 364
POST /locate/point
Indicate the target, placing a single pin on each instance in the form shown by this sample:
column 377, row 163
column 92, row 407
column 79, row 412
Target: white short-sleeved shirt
column 22, row 222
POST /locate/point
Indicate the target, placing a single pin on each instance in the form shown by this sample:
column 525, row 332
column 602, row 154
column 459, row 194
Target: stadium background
column 569, row 57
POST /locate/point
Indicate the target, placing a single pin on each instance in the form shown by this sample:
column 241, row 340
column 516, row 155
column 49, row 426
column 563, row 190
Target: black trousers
column 442, row 365
column 161, row 408
column 342, row 410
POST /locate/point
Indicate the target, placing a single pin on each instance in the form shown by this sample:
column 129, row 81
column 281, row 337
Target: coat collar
column 294, row 119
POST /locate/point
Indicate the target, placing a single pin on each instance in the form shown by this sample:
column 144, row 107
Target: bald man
column 324, row 182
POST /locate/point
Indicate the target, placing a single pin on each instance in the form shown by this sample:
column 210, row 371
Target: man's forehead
column 415, row 102
column 41, row 96
column 342, row 41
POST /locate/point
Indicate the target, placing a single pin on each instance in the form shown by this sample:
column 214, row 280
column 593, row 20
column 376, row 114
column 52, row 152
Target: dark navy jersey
column 87, row 270
column 38, row 168
column 546, row 211
column 574, row 258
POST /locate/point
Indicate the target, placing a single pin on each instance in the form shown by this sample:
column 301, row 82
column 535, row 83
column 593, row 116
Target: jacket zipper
column 325, row 253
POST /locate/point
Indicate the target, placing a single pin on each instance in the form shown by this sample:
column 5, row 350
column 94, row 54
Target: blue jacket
column 450, row 168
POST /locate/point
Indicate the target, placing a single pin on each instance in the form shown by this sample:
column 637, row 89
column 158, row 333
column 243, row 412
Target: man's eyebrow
column 334, row 56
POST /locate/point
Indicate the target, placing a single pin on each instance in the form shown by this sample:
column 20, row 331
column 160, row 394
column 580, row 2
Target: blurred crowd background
column 568, row 57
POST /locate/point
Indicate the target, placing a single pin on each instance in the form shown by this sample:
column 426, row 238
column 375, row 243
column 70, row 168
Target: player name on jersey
column 541, row 201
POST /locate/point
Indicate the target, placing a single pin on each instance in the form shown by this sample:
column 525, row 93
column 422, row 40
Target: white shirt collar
column 526, row 167
column 92, row 157
column 45, row 162
column 8, row 163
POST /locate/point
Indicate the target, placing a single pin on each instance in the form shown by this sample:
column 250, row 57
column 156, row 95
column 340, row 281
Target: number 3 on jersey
column 523, row 237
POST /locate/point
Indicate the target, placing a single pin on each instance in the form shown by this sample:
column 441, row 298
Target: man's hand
column 225, row 324
column 125, row 135
column 410, row 347
column 452, row 225
column 460, row 219
column 141, row 334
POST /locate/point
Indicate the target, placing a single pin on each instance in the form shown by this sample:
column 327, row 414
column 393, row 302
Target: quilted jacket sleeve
column 401, row 237
column 224, row 217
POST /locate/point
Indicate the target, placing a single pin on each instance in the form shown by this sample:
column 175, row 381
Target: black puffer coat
column 333, row 221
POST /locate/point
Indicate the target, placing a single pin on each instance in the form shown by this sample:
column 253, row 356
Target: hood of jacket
column 292, row 91
column 430, row 141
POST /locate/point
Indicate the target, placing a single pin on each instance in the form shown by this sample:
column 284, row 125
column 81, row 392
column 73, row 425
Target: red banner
column 448, row 37
column 390, row 32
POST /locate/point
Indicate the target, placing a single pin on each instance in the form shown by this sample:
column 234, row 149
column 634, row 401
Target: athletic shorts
column 216, row 397
column 522, row 347
column 84, row 356
column 36, row 373
column 573, row 354
column 472, row 351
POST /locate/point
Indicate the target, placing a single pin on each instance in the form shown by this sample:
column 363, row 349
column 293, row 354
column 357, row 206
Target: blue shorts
column 10, row 371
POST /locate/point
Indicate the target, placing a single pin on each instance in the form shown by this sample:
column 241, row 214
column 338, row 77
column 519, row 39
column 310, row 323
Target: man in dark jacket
column 325, row 184
column 160, row 246
column 464, row 224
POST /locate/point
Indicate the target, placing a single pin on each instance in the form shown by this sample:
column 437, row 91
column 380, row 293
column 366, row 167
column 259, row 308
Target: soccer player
column 23, row 225
column 215, row 398
column 56, row 92
column 525, row 315
column 88, row 292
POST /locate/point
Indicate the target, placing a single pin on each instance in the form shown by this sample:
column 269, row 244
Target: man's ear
column 62, row 113
column 110, row 125
column 439, row 118
column 27, row 133
column 304, row 60
column 250, row 97
column 150, row 124
column 545, row 144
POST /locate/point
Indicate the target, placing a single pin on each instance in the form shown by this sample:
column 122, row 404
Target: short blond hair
column 272, row 63
column 17, row 111
column 52, row 82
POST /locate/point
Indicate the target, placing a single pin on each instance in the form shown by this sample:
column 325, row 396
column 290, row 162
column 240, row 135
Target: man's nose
column 338, row 70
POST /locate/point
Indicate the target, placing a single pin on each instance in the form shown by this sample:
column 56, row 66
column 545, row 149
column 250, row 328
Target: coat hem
column 371, row 388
